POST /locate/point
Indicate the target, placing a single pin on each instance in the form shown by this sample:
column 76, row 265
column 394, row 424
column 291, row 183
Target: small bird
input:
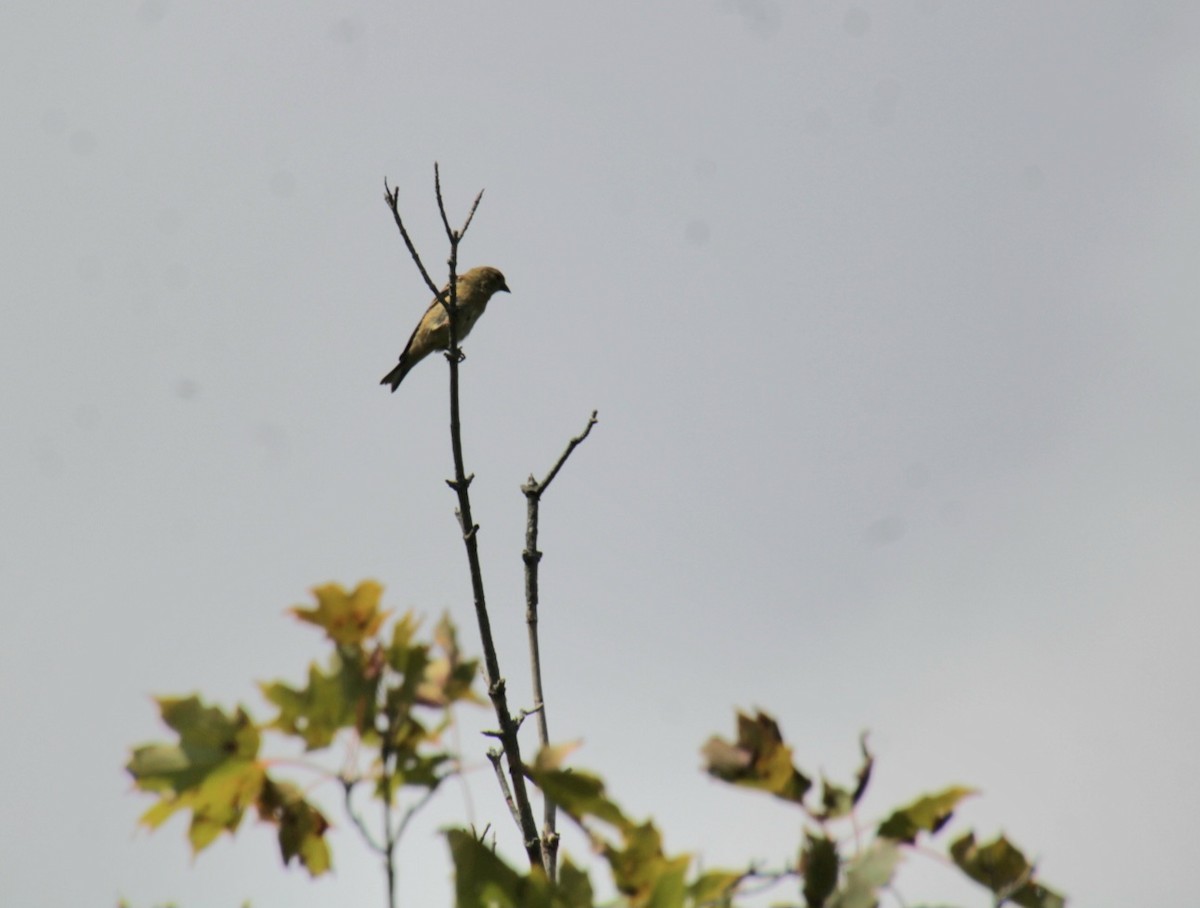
column 474, row 289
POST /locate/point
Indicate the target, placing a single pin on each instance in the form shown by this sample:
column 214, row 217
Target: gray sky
column 889, row 313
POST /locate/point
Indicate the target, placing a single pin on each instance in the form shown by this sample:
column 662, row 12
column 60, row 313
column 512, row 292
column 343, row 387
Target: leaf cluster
column 830, row 871
column 389, row 692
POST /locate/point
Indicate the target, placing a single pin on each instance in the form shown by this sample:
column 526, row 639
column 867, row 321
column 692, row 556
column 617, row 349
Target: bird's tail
column 396, row 376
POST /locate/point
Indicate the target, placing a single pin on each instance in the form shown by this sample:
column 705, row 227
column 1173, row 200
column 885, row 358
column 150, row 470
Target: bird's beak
column 504, row 287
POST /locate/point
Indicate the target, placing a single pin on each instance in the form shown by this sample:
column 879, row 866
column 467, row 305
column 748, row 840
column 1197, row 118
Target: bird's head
column 486, row 279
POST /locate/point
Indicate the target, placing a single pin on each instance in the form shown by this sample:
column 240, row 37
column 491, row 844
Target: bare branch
column 532, row 557
column 453, row 236
column 493, row 756
column 386, row 757
column 437, row 191
column 408, row 814
column 347, row 789
column 393, row 200
column 574, row 443
column 470, row 215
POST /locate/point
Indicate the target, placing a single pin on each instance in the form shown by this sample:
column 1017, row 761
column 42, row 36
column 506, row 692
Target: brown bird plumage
column 474, row 289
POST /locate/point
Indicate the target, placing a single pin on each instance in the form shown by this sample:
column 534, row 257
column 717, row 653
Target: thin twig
column 416, row 806
column 393, row 200
column 356, row 818
column 389, row 840
column 525, row 714
column 450, row 233
column 532, row 556
column 437, row 191
column 494, row 757
column 470, row 215
column 766, row 880
column 571, row 446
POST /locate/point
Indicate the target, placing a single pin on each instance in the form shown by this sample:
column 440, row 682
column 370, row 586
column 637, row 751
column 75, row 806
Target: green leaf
column 574, row 887
column 640, row 869
column 217, row 802
column 866, row 875
column 301, row 826
column 643, row 872
column 482, row 880
column 581, row 795
column 343, row 697
column 208, row 738
column 759, row 759
column 669, row 888
column 410, row 662
column 212, row 772
column 404, row 635
column 926, row 814
column 1002, row 867
column 553, row 756
column 819, row 866
column 221, row 800
column 715, row 888
column 346, row 618
column 409, row 767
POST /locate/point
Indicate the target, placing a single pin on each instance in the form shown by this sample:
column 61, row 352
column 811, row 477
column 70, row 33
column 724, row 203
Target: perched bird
column 474, row 289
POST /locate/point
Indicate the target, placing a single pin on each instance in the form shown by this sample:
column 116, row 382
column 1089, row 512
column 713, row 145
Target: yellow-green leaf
column 209, row 738
column 1002, row 867
column 669, row 887
column 482, row 880
column 347, row 618
column 342, row 697
column 759, row 759
column 715, row 888
column 553, row 756
column 574, row 888
column 927, row 814
column 581, row 795
column 302, row 826
column 217, row 801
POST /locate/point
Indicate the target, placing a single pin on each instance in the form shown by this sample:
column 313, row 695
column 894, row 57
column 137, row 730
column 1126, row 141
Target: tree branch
column 393, row 200
column 571, row 446
column 347, row 789
column 495, row 758
column 532, row 556
column 470, row 530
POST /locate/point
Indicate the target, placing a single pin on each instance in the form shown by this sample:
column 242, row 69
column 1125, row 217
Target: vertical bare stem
column 389, row 838
column 532, row 556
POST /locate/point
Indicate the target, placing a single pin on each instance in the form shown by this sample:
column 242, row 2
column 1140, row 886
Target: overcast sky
column 889, row 310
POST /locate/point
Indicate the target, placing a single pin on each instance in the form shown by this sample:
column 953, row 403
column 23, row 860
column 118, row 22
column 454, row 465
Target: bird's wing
column 433, row 319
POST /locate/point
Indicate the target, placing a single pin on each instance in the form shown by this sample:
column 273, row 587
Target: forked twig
column 532, row 556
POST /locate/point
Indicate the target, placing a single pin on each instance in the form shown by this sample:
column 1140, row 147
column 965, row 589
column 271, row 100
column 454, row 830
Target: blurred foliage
column 387, row 694
column 830, row 871
column 122, row 903
column 390, row 693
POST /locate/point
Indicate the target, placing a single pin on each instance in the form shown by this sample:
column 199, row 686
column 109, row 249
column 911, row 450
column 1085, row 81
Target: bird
column 474, row 289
